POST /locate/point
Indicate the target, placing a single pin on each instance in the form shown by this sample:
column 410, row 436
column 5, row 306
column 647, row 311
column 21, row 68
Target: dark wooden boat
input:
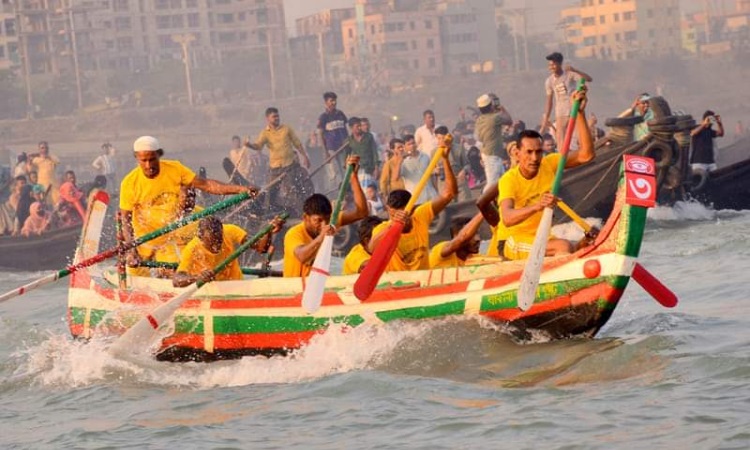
column 52, row 250
column 728, row 187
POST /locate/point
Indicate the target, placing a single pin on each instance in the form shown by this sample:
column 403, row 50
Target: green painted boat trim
column 547, row 291
column 424, row 312
column 275, row 324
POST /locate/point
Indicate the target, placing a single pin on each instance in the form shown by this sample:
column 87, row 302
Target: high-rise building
column 619, row 30
column 9, row 56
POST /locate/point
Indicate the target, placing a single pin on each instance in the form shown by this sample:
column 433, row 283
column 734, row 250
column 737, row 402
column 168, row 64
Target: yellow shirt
column 412, row 252
column 185, row 234
column 438, row 262
column 354, row 259
column 154, row 203
column 196, row 258
column 281, row 144
column 526, row 192
column 294, row 237
column 45, row 169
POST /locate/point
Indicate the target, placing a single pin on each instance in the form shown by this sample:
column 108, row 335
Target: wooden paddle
column 643, row 277
column 123, row 247
column 147, row 329
column 370, row 275
column 316, row 281
column 533, row 269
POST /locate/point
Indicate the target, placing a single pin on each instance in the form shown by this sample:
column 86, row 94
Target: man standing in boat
column 558, row 87
column 149, row 200
column 302, row 241
column 282, row 141
column 524, row 189
column 412, row 251
column 702, row 140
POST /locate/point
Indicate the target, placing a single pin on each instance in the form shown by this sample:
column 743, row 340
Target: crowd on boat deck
column 41, row 199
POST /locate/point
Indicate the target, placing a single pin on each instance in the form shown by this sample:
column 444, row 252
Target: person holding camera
column 702, row 142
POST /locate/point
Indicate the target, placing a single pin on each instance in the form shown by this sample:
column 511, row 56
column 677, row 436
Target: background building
column 619, row 30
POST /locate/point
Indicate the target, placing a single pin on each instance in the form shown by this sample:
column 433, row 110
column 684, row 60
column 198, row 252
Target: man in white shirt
column 105, row 165
column 425, row 135
column 411, row 166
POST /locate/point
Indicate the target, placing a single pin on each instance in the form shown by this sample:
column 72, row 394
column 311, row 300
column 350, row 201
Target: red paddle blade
column 370, row 275
column 654, row 287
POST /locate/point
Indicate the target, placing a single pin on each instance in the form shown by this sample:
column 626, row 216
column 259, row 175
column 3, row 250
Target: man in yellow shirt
column 358, row 256
column 45, row 165
column 412, row 252
column 213, row 244
column 149, row 200
column 464, row 243
column 302, row 241
column 524, row 190
column 282, row 141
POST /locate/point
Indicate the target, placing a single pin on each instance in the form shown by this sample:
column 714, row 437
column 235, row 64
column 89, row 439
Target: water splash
column 691, row 210
column 61, row 362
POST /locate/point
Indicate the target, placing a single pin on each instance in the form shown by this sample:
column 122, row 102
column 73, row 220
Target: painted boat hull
column 577, row 295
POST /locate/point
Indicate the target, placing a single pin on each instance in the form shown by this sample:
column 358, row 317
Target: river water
column 653, row 378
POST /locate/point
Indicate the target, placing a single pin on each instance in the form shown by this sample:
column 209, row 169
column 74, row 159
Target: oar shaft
column 342, row 193
column 329, row 159
column 245, row 270
column 566, row 142
column 51, row 278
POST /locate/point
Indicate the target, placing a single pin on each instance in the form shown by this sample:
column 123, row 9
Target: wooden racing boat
column 228, row 319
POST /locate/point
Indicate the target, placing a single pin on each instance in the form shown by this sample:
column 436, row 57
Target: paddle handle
column 51, row 278
column 568, row 139
column 370, row 275
column 439, row 152
column 342, row 193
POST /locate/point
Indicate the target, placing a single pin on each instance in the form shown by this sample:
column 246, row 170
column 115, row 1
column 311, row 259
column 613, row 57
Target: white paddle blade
column 146, row 331
column 316, row 282
column 533, row 269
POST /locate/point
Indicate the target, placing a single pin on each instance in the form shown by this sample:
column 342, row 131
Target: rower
column 302, row 241
column 149, row 201
column 358, row 256
column 213, row 244
column 524, row 190
column 464, row 243
column 412, row 251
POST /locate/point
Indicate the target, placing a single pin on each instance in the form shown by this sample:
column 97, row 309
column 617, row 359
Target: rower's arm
column 126, row 219
column 450, row 190
column 306, row 253
column 586, row 151
column 512, row 216
column 219, row 188
column 463, row 236
column 488, row 210
column 360, row 202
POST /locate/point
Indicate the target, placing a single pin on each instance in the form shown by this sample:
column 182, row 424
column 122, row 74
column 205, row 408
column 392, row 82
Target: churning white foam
column 683, row 210
column 61, row 362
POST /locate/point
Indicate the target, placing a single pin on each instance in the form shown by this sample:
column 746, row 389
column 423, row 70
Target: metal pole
column 525, row 40
column 25, row 59
column 321, row 57
column 289, row 67
column 74, row 48
column 184, row 40
column 270, row 63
